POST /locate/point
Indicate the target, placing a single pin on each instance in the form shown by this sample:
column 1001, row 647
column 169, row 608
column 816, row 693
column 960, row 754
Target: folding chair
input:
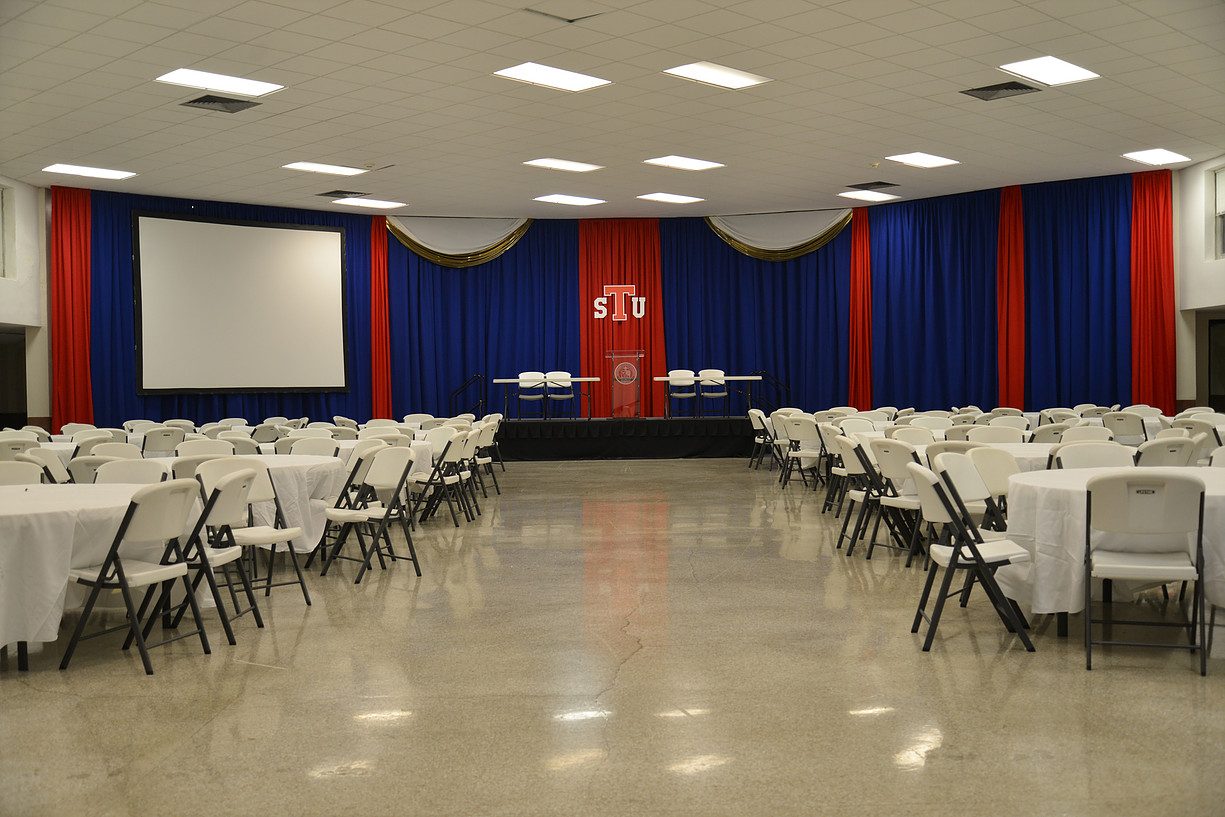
column 379, row 504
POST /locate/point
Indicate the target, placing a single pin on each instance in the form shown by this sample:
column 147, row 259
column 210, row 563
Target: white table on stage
column 540, row 382
column 731, row 378
column 46, row 530
column 1046, row 516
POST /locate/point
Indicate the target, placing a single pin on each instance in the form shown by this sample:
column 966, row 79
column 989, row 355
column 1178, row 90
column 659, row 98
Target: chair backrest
column 9, row 449
column 381, row 422
column 275, row 420
column 681, row 377
column 1006, row 411
column 802, row 428
column 1146, row 502
column 779, row 427
column 1104, row 454
column 855, row 425
column 262, row 489
column 233, row 421
column 890, row 411
column 967, row 418
column 711, row 382
column 892, row 457
column 362, row 447
column 1049, row 433
column 439, row 436
column 125, row 451
column 995, row 466
column 388, row 467
column 314, row 446
column 210, row 430
column 190, row 448
column 915, row 435
column 49, row 461
column 961, row 432
column 1094, row 411
column 757, row 418
column 1144, row 410
column 162, row 439
column 344, row 433
column 850, row 459
column 344, row 422
column 244, row 445
column 228, row 496
column 1172, row 451
column 375, row 432
column 159, row 512
column 531, row 386
column 311, row 432
column 934, row 423
column 934, row 503
column 942, row 446
column 13, row 472
column 959, row 473
column 458, row 422
column 91, row 433
column 1168, row 433
column 1010, row 420
column 83, row 469
column 1078, row 434
column 14, row 434
column 137, row 426
column 269, row 432
column 995, row 434
column 1187, row 412
column 126, row 471
column 186, row 425
column 73, row 428
column 419, row 417
column 185, row 467
column 559, row 385
column 1124, row 423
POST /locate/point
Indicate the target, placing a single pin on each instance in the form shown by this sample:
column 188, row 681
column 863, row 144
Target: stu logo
column 615, row 296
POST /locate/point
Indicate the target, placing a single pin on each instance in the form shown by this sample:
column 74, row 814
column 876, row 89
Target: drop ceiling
column 407, row 89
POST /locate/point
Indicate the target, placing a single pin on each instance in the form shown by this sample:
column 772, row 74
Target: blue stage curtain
column 519, row 312
column 1078, row 289
column 724, row 310
column 933, row 301
column 113, row 346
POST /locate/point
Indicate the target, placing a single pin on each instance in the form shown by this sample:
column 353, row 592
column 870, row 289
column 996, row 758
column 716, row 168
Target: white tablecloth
column 45, row 530
column 1046, row 516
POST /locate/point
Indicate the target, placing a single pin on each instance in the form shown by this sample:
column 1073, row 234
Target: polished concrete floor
column 617, row 638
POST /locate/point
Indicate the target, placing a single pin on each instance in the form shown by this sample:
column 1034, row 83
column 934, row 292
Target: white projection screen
column 232, row 306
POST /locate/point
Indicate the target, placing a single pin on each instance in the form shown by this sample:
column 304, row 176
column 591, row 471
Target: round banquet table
column 1046, row 516
column 46, row 530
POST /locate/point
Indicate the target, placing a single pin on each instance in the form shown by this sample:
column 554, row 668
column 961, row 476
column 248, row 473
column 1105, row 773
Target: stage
column 625, row 438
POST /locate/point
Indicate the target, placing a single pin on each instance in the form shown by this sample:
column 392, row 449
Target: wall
column 23, row 299
column 1200, row 277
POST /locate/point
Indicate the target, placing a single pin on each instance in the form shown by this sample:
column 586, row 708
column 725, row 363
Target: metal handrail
column 477, row 408
column 780, row 390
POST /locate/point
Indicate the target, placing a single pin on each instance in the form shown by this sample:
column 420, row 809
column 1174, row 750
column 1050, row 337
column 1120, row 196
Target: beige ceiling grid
column 408, row 88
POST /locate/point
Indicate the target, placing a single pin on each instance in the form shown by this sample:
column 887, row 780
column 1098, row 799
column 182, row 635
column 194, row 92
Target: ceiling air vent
column 225, row 104
column 342, row 194
column 872, row 185
column 1001, row 91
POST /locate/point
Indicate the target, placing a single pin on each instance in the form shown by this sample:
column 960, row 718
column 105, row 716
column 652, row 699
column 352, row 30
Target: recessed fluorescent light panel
column 335, row 170
column 537, row 74
column 564, row 164
column 1049, row 71
column 1157, row 156
column 867, row 195
column 560, row 198
column 681, row 163
column 218, row 82
column 670, row 198
column 922, row 160
column 92, row 172
column 377, row 204
column 720, row 75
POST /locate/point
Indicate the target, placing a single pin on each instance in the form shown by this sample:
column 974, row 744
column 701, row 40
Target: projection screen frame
column 138, row 307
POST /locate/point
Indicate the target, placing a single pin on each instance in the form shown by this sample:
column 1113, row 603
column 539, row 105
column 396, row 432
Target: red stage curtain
column 621, row 252
column 380, row 330
column 71, row 390
column 1010, row 299
column 1152, row 291
column 860, row 368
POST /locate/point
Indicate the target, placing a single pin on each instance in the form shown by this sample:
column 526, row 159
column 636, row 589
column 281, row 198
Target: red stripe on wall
column 71, row 392
column 1152, row 290
column 1010, row 299
column 380, row 328
column 860, row 371
column 621, row 253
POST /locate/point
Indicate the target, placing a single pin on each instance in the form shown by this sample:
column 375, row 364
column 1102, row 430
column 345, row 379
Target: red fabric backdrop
column 1010, row 299
column 1152, row 291
column 71, row 389
column 380, row 329
column 860, row 370
column 622, row 252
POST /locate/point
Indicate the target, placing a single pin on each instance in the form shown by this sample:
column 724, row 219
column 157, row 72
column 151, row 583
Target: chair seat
column 905, row 502
column 353, row 515
column 265, row 535
column 137, row 572
column 995, row 552
column 1113, row 564
column 223, row 556
column 856, row 495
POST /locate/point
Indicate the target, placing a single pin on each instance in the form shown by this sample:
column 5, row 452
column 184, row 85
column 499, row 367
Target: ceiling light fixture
column 559, row 78
column 868, row 195
column 1156, row 156
column 670, row 198
column 335, row 170
column 376, row 204
column 1049, row 71
column 564, row 164
column 711, row 73
column 92, row 172
column 218, row 82
column 922, row 160
column 561, row 198
column 681, row 163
